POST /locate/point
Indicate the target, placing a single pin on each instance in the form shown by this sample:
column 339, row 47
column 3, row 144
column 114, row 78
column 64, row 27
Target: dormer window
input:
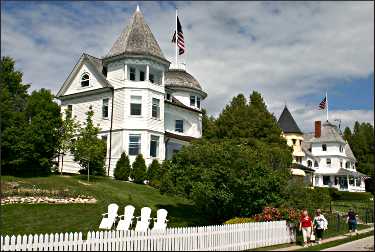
column 324, row 147
column 341, row 148
column 85, row 80
column 192, row 100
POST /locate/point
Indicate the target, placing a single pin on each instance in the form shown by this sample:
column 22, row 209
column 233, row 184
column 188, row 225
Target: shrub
column 299, row 196
column 240, row 220
column 122, row 170
column 228, row 178
column 153, row 173
column 139, row 169
column 352, row 196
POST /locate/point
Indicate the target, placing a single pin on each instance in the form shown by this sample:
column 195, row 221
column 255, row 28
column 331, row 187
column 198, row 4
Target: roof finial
column 137, row 8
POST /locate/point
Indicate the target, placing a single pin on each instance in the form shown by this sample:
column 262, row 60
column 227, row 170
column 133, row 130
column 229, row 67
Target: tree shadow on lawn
column 183, row 215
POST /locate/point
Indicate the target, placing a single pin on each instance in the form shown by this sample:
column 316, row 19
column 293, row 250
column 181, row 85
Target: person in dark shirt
column 352, row 221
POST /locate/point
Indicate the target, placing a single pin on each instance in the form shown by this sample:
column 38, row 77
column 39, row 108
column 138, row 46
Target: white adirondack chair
column 161, row 220
column 109, row 218
column 143, row 221
column 126, row 219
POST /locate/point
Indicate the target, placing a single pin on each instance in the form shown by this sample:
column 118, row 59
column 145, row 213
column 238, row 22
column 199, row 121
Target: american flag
column 323, row 103
column 180, row 38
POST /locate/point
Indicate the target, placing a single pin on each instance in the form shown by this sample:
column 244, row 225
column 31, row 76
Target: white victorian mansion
column 142, row 105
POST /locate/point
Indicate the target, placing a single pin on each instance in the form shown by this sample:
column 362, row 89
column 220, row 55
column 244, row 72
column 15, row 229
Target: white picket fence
column 223, row 237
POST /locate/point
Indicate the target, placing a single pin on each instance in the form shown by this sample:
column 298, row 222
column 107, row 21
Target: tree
column 361, row 142
column 347, row 134
column 13, row 98
column 122, row 170
column 139, row 169
column 67, row 132
column 31, row 142
column 88, row 150
column 243, row 120
column 209, row 129
column 227, row 179
column 154, row 173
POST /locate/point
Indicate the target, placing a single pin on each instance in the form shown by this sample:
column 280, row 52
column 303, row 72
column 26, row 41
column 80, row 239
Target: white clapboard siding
column 209, row 238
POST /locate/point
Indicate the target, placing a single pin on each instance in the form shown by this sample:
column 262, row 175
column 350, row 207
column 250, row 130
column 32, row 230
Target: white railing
column 223, row 237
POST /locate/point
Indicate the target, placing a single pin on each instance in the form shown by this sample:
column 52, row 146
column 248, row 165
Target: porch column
column 125, row 72
column 347, row 179
column 162, row 78
column 355, row 182
column 147, row 72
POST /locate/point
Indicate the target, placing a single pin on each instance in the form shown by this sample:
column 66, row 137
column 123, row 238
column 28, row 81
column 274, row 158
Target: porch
column 343, row 180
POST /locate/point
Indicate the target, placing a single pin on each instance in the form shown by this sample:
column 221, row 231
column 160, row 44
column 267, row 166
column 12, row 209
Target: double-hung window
column 192, row 100
column 179, row 126
column 105, row 108
column 69, row 111
column 134, row 145
column 132, row 74
column 324, row 147
column 155, row 108
column 198, row 102
column 151, row 78
column 154, row 146
column 328, row 162
column 135, row 105
column 141, row 76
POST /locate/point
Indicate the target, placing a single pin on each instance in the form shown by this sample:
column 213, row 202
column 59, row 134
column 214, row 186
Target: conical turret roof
column 286, row 122
column 136, row 39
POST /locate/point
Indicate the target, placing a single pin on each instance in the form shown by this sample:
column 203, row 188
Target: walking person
column 320, row 224
column 305, row 225
column 351, row 219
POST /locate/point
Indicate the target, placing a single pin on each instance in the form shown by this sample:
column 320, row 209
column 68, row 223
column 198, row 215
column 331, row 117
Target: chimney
column 318, row 129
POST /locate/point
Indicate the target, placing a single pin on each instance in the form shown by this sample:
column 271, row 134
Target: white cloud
column 284, row 50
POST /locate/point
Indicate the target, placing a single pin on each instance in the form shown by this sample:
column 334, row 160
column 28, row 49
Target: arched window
column 316, row 164
column 347, row 164
column 309, row 163
column 85, row 80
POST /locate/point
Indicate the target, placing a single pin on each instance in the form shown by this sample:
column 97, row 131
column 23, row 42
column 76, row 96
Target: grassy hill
column 48, row 218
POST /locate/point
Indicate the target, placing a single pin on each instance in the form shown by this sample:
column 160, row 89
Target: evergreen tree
column 361, row 142
column 154, row 173
column 209, row 130
column 347, row 134
column 139, row 169
column 233, row 120
column 88, row 150
column 122, row 170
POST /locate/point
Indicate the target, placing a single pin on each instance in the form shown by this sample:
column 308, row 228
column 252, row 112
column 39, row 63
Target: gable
column 85, row 65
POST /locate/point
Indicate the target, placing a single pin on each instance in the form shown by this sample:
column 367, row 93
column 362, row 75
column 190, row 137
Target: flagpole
column 327, row 104
column 176, row 32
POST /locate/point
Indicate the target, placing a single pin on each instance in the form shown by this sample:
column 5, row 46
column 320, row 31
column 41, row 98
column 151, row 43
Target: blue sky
column 291, row 52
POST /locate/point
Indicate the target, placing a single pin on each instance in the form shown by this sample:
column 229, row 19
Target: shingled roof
column 136, row 39
column 181, row 78
column 329, row 133
column 286, row 122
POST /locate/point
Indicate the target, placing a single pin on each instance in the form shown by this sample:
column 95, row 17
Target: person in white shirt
column 320, row 224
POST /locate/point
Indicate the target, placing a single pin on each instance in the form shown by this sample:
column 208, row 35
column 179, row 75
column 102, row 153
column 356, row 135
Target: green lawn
column 44, row 218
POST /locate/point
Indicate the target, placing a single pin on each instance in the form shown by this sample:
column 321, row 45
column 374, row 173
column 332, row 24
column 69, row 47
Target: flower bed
column 46, row 200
